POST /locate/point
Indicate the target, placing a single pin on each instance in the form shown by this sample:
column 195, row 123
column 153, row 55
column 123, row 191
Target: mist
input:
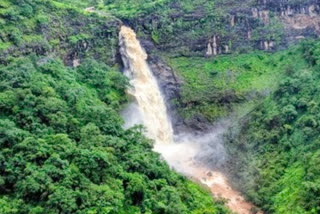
column 196, row 155
column 189, row 151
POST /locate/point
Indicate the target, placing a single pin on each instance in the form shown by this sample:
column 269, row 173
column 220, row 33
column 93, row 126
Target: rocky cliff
column 227, row 26
column 183, row 27
column 177, row 28
column 296, row 20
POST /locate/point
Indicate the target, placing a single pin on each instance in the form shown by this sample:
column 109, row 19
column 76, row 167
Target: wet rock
column 212, row 46
column 197, row 123
column 147, row 45
column 170, row 86
column 166, row 77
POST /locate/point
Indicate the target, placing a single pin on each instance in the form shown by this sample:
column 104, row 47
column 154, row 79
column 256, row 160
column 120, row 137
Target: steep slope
column 201, row 27
column 213, row 88
column 62, row 145
column 275, row 148
column 63, row 148
column 218, row 27
column 52, row 28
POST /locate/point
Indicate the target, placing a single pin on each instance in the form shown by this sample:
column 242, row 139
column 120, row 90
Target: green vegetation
column 133, row 8
column 63, row 148
column 46, row 26
column 62, row 145
column 182, row 27
column 275, row 149
column 213, row 87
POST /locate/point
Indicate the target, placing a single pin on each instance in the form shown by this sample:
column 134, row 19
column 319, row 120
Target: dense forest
column 63, row 148
column 274, row 145
column 279, row 140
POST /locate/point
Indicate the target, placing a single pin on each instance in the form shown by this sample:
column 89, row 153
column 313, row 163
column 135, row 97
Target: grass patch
column 214, row 86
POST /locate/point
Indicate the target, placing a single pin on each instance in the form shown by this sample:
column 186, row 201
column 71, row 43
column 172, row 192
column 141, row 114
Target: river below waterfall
column 185, row 152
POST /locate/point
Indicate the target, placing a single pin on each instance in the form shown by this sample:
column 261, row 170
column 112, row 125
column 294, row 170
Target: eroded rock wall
column 267, row 25
column 228, row 26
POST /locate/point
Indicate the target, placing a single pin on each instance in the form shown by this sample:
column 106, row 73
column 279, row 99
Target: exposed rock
column 212, row 47
column 90, row 9
column 249, row 34
column 147, row 45
column 170, row 87
column 209, row 49
column 168, row 80
column 255, row 13
column 197, row 123
column 76, row 63
column 233, row 20
column 267, row 45
column 242, row 25
column 226, row 49
column 300, row 19
column 301, row 22
column 264, row 15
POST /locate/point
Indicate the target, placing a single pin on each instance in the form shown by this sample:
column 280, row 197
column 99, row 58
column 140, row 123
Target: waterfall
column 182, row 152
column 144, row 89
column 188, row 154
column 149, row 108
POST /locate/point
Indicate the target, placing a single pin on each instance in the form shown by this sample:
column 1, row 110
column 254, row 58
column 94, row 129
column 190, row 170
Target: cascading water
column 145, row 88
column 150, row 106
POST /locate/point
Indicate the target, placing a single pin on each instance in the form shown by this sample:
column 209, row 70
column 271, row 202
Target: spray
column 145, row 89
column 191, row 155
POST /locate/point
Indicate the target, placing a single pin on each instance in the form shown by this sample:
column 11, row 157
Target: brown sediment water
column 150, row 106
column 220, row 187
column 144, row 89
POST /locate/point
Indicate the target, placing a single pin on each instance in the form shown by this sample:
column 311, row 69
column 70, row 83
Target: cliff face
column 268, row 25
column 226, row 26
column 177, row 28
column 182, row 27
column 298, row 20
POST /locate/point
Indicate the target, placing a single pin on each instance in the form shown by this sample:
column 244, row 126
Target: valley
column 159, row 107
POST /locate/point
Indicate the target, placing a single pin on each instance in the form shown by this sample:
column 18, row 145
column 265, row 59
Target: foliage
column 183, row 27
column 46, row 26
column 213, row 87
column 275, row 149
column 62, row 145
column 63, row 149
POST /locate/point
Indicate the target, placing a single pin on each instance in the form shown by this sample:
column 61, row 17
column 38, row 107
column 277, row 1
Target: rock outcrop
column 295, row 19
column 267, row 25
column 230, row 26
column 170, row 86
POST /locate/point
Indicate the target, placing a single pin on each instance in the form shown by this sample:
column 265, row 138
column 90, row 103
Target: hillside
column 63, row 148
column 277, row 144
column 63, row 145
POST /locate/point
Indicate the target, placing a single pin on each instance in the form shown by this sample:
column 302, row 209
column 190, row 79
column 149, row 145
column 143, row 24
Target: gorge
column 159, row 106
column 184, row 152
